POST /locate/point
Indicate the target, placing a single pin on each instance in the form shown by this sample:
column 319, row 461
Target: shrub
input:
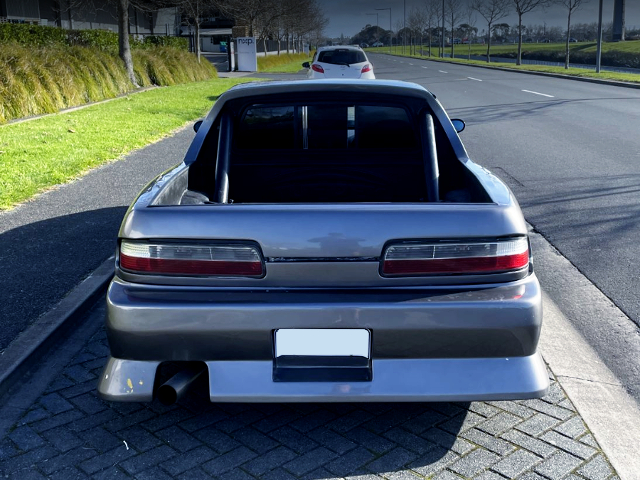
column 41, row 80
column 102, row 39
column 32, row 35
column 163, row 41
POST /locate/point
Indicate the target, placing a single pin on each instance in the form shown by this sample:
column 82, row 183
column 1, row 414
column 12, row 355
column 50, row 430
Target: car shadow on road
column 44, row 260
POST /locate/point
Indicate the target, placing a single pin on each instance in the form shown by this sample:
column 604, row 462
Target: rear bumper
column 411, row 380
column 160, row 323
column 432, row 344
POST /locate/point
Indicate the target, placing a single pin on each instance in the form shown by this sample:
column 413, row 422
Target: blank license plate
column 325, row 342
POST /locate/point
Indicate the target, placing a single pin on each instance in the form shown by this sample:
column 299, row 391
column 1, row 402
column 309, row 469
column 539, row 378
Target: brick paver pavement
column 69, row 433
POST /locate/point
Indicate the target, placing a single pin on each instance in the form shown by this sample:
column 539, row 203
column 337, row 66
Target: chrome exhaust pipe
column 173, row 389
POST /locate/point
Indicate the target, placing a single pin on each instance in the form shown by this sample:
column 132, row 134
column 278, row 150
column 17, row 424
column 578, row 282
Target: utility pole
column 390, row 31
column 599, row 48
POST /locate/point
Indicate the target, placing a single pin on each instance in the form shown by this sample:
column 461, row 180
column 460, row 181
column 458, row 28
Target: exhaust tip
column 167, row 395
column 170, row 392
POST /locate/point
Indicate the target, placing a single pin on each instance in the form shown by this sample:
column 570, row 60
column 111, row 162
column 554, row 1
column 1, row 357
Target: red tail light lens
column 366, row 68
column 174, row 259
column 456, row 258
column 317, row 68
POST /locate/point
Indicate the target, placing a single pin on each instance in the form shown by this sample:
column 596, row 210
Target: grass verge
column 285, row 63
column 36, row 155
column 572, row 72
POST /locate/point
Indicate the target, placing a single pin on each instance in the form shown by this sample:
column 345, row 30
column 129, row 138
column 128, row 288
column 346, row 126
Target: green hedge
column 164, row 41
column 41, row 36
column 34, row 35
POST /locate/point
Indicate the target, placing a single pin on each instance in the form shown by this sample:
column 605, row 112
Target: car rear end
column 323, row 300
column 342, row 63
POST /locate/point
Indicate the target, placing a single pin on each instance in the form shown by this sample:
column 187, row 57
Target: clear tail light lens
column 175, row 259
column 317, row 68
column 366, row 68
column 456, row 258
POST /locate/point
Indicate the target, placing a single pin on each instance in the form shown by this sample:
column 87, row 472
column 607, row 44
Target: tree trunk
column 519, row 59
column 489, row 46
column 196, row 20
column 452, row 51
column 197, row 42
column 566, row 56
column 124, row 48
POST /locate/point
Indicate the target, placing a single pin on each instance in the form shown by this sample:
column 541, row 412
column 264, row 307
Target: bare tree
column 432, row 9
column 454, row 13
column 469, row 28
column 417, row 23
column 491, row 11
column 572, row 6
column 522, row 7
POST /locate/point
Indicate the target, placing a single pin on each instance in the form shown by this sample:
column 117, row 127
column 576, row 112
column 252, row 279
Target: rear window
column 315, row 127
column 341, row 57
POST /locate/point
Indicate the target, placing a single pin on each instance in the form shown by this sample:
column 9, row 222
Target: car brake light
column 476, row 257
column 366, row 68
column 180, row 259
column 317, row 68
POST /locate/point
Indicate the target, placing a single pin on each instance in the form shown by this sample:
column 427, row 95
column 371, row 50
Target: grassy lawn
column 48, row 151
column 573, row 72
column 284, row 63
column 632, row 46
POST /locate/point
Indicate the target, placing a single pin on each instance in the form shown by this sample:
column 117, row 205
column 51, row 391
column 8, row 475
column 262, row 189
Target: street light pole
column 599, row 48
column 390, row 31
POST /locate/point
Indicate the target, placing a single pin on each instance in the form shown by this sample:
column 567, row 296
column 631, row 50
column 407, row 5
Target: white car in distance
column 340, row 62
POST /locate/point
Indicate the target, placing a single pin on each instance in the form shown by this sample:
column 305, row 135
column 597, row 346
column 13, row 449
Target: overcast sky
column 349, row 16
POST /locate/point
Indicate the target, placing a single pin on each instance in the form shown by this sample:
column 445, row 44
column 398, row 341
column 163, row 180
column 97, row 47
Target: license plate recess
column 322, row 355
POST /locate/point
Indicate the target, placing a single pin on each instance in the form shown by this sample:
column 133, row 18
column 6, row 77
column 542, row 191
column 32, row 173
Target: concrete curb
column 613, row 83
column 26, row 350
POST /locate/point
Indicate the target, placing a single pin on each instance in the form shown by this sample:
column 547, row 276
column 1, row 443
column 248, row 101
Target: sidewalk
column 67, row 432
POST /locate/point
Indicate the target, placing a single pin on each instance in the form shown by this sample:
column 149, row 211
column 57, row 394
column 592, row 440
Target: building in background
column 84, row 14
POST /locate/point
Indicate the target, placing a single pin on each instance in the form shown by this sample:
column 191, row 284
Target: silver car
column 325, row 241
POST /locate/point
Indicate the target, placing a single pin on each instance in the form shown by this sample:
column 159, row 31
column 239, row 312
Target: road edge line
column 32, row 344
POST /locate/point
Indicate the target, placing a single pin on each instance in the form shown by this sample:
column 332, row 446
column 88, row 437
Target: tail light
column 176, row 259
column 366, row 68
column 456, row 258
column 317, row 68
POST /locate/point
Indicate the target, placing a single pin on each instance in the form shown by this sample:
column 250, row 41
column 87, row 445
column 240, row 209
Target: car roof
column 340, row 47
column 396, row 87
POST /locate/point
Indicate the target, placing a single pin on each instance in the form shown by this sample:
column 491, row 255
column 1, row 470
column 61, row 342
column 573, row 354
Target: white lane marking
column 442, row 71
column 425, row 67
column 476, row 79
column 538, row 93
column 411, row 64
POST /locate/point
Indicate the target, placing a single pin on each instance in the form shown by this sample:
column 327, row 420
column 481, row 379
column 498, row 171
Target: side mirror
column 458, row 124
column 196, row 126
column 305, row 65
